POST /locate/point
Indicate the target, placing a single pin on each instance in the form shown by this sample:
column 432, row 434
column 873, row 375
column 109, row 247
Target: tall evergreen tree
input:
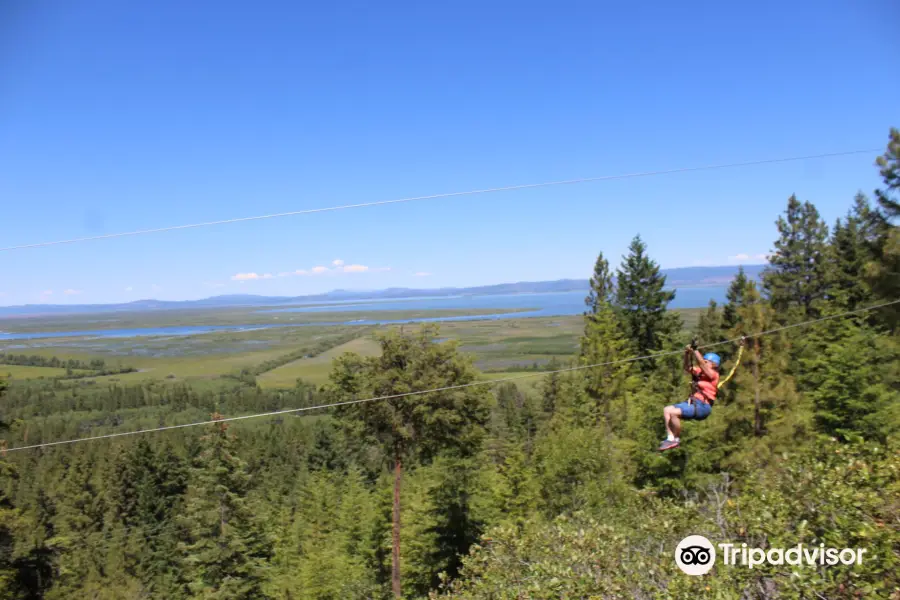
column 602, row 292
column 850, row 252
column 858, row 401
column 758, row 410
column 642, row 302
column 148, row 489
column 604, row 342
column 883, row 273
column 411, row 427
column 8, row 520
column 79, row 522
column 709, row 327
column 796, row 280
column 889, row 165
column 735, row 296
column 225, row 549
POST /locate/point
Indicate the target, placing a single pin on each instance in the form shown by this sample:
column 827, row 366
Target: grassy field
column 315, row 370
column 525, row 381
column 501, row 348
column 22, row 372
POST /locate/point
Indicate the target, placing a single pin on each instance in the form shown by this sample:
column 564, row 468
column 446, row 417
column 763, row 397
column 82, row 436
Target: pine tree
column 758, row 412
column 850, row 372
column 641, row 301
column 889, row 165
column 408, row 427
column 850, row 252
column 710, row 328
column 148, row 490
column 225, row 550
column 796, row 280
column 8, row 520
column 604, row 342
column 80, row 509
column 735, row 295
column 883, row 273
column 333, row 510
column 602, row 292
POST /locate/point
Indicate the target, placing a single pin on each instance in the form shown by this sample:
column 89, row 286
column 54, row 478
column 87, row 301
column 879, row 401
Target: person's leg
column 672, row 415
column 674, row 428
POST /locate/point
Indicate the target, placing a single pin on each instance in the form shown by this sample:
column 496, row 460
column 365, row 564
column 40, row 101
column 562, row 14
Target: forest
column 496, row 491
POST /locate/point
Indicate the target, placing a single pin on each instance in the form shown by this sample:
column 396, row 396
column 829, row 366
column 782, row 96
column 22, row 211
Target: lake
column 542, row 305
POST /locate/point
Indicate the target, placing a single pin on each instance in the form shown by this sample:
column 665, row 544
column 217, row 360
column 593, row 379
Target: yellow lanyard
column 734, row 368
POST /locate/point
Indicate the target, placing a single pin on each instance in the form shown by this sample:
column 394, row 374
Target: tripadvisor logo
column 696, row 555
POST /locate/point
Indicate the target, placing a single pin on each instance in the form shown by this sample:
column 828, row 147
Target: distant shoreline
column 678, row 279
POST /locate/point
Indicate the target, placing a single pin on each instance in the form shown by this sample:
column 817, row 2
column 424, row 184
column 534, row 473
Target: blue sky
column 117, row 116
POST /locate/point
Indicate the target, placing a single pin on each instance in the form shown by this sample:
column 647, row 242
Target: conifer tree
column 8, row 520
column 225, row 549
column 735, row 297
column 850, row 252
column 883, row 273
column 604, row 342
column 642, row 302
column 80, row 509
column 889, row 167
column 602, row 292
column 796, row 280
column 710, row 325
column 850, row 372
column 148, row 489
column 411, row 427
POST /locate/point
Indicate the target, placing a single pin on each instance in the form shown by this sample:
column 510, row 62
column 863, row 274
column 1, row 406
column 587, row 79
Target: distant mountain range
column 675, row 278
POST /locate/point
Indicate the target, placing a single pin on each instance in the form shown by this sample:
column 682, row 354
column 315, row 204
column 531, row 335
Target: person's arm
column 707, row 370
column 686, row 361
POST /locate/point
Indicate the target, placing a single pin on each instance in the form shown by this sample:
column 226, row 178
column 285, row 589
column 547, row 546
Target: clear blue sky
column 126, row 115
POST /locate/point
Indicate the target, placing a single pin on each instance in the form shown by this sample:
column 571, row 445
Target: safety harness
column 696, row 378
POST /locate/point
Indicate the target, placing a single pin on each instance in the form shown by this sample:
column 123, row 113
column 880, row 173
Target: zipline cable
column 445, row 195
column 441, row 389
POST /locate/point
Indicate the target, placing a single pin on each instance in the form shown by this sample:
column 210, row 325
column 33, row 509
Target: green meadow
column 280, row 356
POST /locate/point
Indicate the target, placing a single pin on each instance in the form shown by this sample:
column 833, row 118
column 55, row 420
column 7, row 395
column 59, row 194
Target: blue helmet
column 713, row 358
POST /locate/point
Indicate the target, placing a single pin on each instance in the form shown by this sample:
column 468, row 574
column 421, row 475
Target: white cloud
column 421, row 274
column 747, row 257
column 355, row 269
column 338, row 266
column 155, row 287
column 251, row 276
column 71, row 292
column 129, row 288
column 46, row 293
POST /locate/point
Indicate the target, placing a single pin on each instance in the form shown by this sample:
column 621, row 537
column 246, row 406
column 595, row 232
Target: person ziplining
column 704, row 387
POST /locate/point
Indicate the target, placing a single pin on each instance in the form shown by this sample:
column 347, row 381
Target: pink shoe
column 668, row 445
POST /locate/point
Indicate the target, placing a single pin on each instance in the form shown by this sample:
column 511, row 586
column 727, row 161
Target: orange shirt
column 706, row 386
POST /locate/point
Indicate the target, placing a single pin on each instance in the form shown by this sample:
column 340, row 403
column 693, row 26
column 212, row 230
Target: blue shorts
column 694, row 411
